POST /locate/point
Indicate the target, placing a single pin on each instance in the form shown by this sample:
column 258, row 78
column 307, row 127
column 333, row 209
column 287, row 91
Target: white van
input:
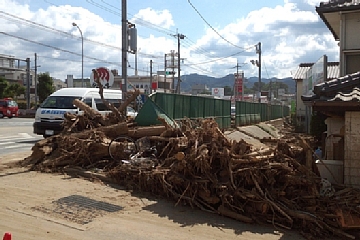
column 50, row 114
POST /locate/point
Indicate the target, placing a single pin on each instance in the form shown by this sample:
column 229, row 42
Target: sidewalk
column 13, row 157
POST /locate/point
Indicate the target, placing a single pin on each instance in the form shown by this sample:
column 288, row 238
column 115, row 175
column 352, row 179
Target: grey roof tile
column 353, row 96
column 333, row 70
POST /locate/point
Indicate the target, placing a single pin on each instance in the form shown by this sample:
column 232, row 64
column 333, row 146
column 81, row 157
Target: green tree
column 45, row 86
column 3, row 85
column 255, row 87
column 14, row 90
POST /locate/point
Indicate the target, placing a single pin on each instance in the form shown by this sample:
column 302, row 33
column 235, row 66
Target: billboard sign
column 106, row 77
column 218, row 92
column 239, row 84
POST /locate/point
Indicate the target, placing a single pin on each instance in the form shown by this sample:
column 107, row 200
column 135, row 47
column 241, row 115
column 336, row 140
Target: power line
column 144, row 23
column 50, row 29
column 213, row 27
column 265, row 69
column 218, row 59
column 137, row 21
column 47, row 28
column 200, row 69
column 56, row 48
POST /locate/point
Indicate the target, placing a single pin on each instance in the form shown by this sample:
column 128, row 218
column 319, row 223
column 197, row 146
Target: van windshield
column 60, row 102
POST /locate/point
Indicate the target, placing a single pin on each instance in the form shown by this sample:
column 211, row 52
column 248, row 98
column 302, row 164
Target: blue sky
column 218, row 34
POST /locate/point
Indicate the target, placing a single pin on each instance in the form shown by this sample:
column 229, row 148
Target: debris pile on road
column 197, row 165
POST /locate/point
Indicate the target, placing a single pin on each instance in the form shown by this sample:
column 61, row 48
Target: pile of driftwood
column 195, row 164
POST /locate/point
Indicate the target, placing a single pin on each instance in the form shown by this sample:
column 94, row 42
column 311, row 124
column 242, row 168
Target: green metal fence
column 178, row 106
column 248, row 113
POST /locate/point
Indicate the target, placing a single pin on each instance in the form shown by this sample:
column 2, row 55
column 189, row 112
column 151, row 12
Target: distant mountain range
column 212, row 82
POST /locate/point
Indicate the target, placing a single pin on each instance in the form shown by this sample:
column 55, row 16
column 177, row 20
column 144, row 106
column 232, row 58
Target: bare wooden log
column 139, row 132
column 262, row 152
column 231, row 214
column 111, row 131
column 129, row 100
column 92, row 113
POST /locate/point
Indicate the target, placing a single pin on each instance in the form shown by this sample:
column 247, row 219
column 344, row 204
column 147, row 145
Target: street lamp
column 82, row 54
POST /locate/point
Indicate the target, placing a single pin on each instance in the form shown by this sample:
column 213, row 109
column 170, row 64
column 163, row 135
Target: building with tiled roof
column 342, row 19
column 339, row 98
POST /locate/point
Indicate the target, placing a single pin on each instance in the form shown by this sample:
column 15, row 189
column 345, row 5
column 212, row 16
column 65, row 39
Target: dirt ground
column 40, row 206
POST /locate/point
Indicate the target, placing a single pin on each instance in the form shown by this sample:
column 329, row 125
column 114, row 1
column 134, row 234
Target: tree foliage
column 14, row 90
column 3, row 85
column 10, row 90
column 45, row 86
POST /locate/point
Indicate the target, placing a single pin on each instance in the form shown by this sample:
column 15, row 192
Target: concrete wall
column 300, row 107
column 352, row 26
column 352, row 149
column 335, row 126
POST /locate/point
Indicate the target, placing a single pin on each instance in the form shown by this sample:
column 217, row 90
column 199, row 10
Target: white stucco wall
column 300, row 107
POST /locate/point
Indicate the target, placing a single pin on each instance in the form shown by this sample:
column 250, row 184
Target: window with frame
column 352, row 63
column 88, row 101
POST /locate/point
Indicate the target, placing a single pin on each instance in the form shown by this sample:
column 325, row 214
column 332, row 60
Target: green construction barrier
column 150, row 112
column 242, row 120
column 257, row 118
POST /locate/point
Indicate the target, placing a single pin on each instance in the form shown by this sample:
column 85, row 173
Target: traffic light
column 170, row 73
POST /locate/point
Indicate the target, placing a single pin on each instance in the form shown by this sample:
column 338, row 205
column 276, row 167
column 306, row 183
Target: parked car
column 50, row 115
column 8, row 108
column 130, row 112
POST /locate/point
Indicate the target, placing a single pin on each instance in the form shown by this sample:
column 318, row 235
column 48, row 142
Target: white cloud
column 160, row 18
column 290, row 34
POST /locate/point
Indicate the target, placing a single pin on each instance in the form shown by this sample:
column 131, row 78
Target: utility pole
column 28, row 83
column 36, row 94
column 258, row 51
column 165, row 74
column 172, row 55
column 150, row 77
column 124, row 41
column 179, row 36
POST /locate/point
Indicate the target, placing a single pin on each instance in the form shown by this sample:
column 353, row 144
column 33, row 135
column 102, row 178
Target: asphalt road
column 16, row 135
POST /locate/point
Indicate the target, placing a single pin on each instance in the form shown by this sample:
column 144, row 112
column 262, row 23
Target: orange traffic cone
column 7, row 236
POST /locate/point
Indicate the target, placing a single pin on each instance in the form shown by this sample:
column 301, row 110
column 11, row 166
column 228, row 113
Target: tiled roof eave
column 322, row 16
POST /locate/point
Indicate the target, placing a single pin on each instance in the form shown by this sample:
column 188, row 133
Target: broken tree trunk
column 92, row 113
column 129, row 100
column 139, row 132
column 111, row 131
